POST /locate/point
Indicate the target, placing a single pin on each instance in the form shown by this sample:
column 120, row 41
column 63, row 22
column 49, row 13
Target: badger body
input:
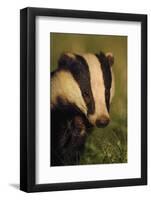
column 82, row 88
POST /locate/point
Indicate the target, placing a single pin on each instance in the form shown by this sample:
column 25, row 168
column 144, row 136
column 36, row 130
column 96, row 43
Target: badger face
column 85, row 81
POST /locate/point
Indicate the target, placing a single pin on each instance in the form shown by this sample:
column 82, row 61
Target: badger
column 82, row 88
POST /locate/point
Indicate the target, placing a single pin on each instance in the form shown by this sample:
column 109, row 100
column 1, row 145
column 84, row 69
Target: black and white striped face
column 86, row 80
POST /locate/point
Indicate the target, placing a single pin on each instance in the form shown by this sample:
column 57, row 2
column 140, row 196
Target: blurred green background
column 108, row 145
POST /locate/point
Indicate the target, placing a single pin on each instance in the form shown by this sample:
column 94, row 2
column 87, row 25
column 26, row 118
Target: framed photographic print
column 83, row 99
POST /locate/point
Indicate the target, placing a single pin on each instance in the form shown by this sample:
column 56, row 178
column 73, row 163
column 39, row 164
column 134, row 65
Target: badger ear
column 110, row 58
column 65, row 60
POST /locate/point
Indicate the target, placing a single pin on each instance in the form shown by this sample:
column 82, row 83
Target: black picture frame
column 28, row 98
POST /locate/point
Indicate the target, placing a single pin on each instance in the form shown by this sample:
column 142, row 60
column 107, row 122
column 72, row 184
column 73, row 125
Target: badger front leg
column 72, row 141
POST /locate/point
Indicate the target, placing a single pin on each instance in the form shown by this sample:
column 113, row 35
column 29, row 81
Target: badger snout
column 102, row 122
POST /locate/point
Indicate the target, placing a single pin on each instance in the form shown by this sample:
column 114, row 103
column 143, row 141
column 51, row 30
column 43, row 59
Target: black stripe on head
column 80, row 71
column 106, row 69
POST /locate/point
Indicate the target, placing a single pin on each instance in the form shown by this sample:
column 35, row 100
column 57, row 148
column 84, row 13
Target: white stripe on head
column 63, row 85
column 98, row 88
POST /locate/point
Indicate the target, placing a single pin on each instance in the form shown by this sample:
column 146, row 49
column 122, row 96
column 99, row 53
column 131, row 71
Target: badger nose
column 102, row 122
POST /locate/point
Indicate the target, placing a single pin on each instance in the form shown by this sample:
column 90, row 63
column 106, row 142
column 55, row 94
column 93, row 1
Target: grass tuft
column 108, row 145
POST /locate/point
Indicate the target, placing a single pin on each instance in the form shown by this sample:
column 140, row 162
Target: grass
column 108, row 145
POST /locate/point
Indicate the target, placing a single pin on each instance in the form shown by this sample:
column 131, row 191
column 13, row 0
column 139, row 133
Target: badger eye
column 86, row 96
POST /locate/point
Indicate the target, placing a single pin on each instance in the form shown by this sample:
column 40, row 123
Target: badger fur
column 82, row 88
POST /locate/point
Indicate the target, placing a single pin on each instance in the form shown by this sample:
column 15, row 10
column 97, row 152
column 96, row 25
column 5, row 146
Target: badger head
column 85, row 81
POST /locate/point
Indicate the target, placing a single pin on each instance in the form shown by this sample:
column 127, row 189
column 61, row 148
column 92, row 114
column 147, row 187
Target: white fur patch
column 70, row 55
column 98, row 88
column 63, row 85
